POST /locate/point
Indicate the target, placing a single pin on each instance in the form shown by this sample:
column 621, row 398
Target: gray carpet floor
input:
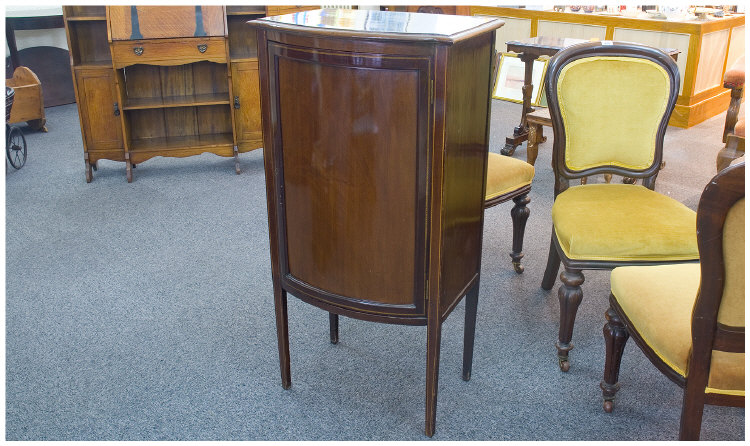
column 144, row 311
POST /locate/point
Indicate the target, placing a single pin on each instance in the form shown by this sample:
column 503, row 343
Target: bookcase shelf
column 176, row 101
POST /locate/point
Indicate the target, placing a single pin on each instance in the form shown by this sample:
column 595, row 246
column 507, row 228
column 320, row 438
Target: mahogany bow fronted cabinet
column 375, row 130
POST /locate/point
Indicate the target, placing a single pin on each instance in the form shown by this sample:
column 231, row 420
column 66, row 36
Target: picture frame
column 509, row 78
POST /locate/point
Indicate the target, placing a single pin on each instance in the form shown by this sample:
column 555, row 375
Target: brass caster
column 628, row 180
column 564, row 364
column 609, row 406
column 518, row 267
column 508, row 150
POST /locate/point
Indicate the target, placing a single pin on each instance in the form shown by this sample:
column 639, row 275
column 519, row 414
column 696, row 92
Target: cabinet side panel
column 466, row 109
column 349, row 147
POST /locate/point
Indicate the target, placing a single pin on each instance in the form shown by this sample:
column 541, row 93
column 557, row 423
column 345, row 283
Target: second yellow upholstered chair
column 689, row 319
column 509, row 178
column 610, row 103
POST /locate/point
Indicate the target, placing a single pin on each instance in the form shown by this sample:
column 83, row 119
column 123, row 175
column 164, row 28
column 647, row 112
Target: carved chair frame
column 570, row 293
column 724, row 190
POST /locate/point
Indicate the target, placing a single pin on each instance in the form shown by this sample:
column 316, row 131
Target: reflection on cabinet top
column 377, row 25
column 161, row 22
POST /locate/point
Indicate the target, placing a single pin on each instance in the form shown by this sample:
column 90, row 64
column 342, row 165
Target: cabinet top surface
column 386, row 25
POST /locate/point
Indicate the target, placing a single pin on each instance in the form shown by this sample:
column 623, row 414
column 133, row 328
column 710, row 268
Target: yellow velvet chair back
column 611, row 108
column 732, row 307
column 716, row 364
column 610, row 103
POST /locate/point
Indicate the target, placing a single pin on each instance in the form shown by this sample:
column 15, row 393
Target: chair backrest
column 610, row 103
column 719, row 312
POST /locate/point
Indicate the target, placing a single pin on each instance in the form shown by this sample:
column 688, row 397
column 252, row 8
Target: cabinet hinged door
column 352, row 181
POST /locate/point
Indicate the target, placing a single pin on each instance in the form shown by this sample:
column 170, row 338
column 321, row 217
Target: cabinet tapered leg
column 433, row 362
column 282, row 332
column 333, row 320
column 470, row 322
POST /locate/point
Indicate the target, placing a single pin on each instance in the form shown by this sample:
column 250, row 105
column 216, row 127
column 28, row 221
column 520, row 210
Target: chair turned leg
column 333, row 320
column 570, row 296
column 615, row 337
column 553, row 265
column 519, row 214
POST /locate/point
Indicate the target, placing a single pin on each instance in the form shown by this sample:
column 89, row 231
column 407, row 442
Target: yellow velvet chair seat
column 623, row 222
column 658, row 301
column 506, row 174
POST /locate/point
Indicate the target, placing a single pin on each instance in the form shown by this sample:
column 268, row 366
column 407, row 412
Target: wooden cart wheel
column 15, row 149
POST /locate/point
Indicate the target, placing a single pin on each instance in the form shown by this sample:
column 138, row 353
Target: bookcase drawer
column 168, row 51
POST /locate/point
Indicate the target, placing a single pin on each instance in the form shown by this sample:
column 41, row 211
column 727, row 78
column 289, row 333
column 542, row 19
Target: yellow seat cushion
column 506, row 174
column 658, row 301
column 623, row 222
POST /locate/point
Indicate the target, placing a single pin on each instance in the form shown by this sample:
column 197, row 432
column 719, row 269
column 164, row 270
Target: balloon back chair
column 610, row 103
column 689, row 319
column 510, row 179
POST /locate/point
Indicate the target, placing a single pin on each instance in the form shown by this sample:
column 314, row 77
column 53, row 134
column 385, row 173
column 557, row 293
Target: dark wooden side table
column 375, row 127
column 528, row 51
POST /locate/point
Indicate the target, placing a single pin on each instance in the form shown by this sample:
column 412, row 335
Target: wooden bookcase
column 157, row 81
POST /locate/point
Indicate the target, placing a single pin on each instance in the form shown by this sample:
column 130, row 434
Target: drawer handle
column 202, row 47
column 138, row 50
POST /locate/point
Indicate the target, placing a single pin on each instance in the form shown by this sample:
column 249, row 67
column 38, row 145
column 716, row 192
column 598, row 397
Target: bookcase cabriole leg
column 89, row 175
column 236, row 160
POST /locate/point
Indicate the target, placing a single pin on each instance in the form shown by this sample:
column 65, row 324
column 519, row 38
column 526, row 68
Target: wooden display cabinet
column 376, row 138
column 164, row 81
